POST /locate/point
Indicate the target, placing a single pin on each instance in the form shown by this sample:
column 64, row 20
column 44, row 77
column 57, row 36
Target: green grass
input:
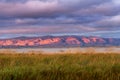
column 60, row 67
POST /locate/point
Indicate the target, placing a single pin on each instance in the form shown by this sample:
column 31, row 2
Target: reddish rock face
column 31, row 43
column 49, row 41
column 20, row 43
column 92, row 40
column 6, row 43
column 1, row 43
column 96, row 39
column 72, row 40
column 86, row 40
column 28, row 42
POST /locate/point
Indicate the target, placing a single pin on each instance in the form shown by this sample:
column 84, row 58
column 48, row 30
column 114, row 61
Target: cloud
column 40, row 8
column 110, row 22
column 31, row 8
column 58, row 16
column 104, row 9
column 46, row 29
column 116, row 2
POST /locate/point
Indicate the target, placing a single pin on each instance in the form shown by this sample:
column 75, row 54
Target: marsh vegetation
column 67, row 66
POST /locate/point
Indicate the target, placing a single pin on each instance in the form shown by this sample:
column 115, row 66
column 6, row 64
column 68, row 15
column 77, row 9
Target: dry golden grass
column 65, row 65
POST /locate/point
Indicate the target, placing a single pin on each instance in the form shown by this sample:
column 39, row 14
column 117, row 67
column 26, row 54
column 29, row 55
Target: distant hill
column 58, row 41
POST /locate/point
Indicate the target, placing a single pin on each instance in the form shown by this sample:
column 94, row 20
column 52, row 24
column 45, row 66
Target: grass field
column 60, row 66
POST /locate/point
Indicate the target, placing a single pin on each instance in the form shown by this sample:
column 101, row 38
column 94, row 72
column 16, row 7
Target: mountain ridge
column 58, row 41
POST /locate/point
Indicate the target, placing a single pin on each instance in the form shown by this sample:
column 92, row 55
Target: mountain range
column 58, row 41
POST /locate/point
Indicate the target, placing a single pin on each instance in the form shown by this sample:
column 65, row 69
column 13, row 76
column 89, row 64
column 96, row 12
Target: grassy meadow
column 67, row 66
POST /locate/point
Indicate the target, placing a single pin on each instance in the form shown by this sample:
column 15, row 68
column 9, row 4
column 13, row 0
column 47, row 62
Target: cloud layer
column 59, row 16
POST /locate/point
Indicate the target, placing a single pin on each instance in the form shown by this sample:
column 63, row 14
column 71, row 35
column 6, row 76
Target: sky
column 59, row 17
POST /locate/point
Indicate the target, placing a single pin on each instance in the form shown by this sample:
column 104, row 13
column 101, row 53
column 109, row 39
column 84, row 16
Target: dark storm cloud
column 59, row 16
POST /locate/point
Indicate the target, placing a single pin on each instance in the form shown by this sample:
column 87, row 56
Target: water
column 72, row 50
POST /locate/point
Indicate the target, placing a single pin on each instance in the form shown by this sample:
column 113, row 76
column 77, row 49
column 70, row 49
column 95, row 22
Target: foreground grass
column 60, row 67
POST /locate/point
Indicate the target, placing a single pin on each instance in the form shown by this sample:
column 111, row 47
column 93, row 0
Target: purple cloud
column 58, row 16
column 39, row 8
